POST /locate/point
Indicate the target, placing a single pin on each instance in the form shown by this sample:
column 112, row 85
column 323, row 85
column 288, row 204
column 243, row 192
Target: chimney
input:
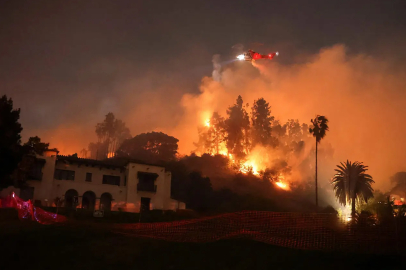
column 50, row 152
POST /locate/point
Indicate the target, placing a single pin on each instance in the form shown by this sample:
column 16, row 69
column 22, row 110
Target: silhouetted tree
column 278, row 133
column 203, row 145
column 110, row 133
column 10, row 140
column 261, row 122
column 29, row 167
column 305, row 131
column 150, row 147
column 83, row 153
column 211, row 136
column 96, row 148
column 294, row 130
column 351, row 182
column 216, row 132
column 237, row 126
column 34, row 145
column 293, row 139
column 318, row 130
column 199, row 192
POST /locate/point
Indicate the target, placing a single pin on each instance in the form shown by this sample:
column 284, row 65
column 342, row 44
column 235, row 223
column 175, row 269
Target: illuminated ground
column 34, row 246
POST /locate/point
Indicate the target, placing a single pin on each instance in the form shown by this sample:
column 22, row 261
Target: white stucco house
column 123, row 185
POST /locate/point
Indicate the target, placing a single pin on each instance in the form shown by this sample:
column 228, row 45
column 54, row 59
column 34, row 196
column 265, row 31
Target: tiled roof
column 111, row 162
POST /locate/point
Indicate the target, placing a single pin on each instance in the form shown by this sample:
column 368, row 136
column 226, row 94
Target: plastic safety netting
column 312, row 231
column 27, row 211
column 293, row 230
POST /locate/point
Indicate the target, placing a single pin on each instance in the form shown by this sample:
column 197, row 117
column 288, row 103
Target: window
column 35, row 171
column 88, row 177
column 145, row 177
column 64, row 175
column 146, row 181
column 111, row 180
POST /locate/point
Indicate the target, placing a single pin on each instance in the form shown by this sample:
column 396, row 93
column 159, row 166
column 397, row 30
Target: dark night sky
column 73, row 61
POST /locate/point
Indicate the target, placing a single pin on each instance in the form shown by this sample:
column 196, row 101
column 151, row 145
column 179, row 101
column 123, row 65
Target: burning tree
column 261, row 122
column 237, row 126
column 212, row 136
column 110, row 134
column 263, row 147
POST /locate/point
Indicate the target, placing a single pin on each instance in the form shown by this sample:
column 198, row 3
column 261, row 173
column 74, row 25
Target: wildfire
column 282, row 185
column 249, row 165
column 255, row 162
column 207, row 123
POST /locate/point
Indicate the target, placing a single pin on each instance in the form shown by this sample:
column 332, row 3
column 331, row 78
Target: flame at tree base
column 282, row 185
column 256, row 162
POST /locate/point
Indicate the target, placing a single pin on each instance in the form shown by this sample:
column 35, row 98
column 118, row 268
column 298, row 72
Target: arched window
column 88, row 200
column 105, row 201
column 70, row 196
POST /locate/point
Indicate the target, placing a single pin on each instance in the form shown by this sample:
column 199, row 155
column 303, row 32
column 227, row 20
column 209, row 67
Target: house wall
column 60, row 187
column 43, row 188
column 125, row 196
column 158, row 199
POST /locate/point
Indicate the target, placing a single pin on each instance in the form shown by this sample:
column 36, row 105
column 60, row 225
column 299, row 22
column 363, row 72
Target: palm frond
column 351, row 182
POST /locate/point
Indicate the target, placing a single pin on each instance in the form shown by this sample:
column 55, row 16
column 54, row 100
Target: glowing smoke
column 362, row 97
column 216, row 68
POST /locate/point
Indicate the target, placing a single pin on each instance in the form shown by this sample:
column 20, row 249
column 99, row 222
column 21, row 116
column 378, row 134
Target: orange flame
column 282, row 185
column 248, row 166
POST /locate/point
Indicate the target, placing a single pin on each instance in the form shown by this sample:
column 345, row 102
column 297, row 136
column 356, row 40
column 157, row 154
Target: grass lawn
column 33, row 246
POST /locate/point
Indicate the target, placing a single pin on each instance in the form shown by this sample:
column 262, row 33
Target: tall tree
column 278, row 133
column 10, row 140
column 34, row 145
column 294, row 130
column 211, row 136
column 203, row 145
column 318, row 130
column 30, row 167
column 261, row 122
column 83, row 153
column 216, row 132
column 150, row 147
column 305, row 131
column 111, row 133
column 352, row 182
column 237, row 126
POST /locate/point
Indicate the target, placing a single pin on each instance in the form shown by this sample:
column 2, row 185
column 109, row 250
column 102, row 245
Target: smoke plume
column 216, row 68
column 363, row 97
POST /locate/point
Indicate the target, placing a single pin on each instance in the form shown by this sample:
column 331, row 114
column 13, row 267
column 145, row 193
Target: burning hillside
column 255, row 143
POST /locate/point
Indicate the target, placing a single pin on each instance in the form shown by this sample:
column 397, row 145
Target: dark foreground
column 32, row 246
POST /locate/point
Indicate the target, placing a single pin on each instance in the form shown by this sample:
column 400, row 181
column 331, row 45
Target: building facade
column 117, row 185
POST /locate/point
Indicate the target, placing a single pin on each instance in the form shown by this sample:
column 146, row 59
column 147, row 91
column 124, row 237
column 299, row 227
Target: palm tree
column 319, row 132
column 351, row 182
